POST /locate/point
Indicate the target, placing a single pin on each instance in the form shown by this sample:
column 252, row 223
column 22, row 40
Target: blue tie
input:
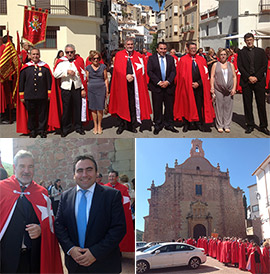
column 162, row 68
column 194, row 65
column 82, row 219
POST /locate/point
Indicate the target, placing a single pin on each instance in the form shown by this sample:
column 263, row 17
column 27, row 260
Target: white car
column 169, row 255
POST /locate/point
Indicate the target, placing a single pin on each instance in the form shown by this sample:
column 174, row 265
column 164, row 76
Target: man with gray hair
column 129, row 97
column 27, row 240
column 70, row 70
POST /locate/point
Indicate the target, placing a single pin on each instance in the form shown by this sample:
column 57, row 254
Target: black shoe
column 80, row 131
column 200, row 127
column 32, row 134
column 172, row 129
column 185, row 128
column 264, row 130
column 249, row 130
column 64, row 134
column 120, row 130
column 207, row 129
column 43, row 134
column 156, row 131
column 134, row 130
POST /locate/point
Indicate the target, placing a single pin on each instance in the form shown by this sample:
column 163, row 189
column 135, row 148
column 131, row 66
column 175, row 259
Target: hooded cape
column 185, row 104
column 50, row 260
column 119, row 96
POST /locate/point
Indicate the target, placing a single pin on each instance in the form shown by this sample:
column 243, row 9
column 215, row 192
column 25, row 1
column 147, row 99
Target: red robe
column 119, row 97
column 214, row 248
column 234, row 252
column 128, row 242
column 219, row 243
column 21, row 113
column 242, row 256
column 185, row 105
column 50, row 260
column 266, row 260
column 233, row 60
column 268, row 76
column 252, row 266
column 56, row 107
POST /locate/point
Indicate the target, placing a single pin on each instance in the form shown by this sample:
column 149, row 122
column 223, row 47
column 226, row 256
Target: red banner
column 34, row 27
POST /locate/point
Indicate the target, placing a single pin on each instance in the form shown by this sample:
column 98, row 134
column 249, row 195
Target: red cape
column 268, row 76
column 234, row 252
column 21, row 114
column 233, row 60
column 56, row 107
column 119, row 97
column 252, row 266
column 185, row 105
column 50, row 260
column 128, row 242
column 266, row 260
column 242, row 256
column 219, row 243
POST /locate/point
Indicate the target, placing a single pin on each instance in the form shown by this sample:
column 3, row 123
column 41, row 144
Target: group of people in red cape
column 129, row 97
column 236, row 252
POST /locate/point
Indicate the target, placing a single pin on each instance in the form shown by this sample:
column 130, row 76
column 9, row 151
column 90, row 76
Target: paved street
column 110, row 126
column 211, row 266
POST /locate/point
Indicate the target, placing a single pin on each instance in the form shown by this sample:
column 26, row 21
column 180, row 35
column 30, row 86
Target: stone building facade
column 195, row 200
column 54, row 157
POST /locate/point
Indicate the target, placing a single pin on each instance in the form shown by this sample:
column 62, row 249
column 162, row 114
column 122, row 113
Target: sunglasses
column 69, row 52
column 96, row 58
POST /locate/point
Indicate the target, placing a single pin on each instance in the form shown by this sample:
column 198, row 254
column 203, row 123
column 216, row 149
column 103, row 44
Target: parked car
column 169, row 255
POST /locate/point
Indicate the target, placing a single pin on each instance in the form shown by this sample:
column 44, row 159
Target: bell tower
column 196, row 149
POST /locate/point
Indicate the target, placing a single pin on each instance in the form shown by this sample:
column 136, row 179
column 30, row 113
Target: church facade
column 195, row 200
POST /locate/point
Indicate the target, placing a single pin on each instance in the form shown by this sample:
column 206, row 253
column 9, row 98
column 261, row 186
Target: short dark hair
column 161, row 43
column 84, row 157
column 99, row 175
column 248, row 35
column 190, row 43
column 115, row 172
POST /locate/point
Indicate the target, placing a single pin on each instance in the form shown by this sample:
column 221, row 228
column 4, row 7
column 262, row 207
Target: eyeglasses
column 69, row 52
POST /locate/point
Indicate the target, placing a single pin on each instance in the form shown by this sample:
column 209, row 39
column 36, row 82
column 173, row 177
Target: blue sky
column 240, row 156
column 151, row 3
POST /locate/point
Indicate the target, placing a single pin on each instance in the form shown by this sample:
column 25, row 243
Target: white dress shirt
column 164, row 60
column 66, row 80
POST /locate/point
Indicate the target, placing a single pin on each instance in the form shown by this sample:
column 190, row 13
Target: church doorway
column 199, row 230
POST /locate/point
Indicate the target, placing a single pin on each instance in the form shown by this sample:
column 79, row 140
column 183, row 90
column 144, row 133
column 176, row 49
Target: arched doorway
column 199, row 230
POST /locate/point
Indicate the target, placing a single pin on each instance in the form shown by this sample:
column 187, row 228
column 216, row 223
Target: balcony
column 88, row 8
column 264, row 6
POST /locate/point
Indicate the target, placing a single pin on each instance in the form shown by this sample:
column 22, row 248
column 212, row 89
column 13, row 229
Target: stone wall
column 54, row 157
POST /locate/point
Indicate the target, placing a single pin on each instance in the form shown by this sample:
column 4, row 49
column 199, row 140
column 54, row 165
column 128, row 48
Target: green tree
column 153, row 46
column 159, row 2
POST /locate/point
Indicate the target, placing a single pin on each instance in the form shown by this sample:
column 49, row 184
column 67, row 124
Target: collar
column 90, row 189
column 129, row 53
column 39, row 64
column 22, row 185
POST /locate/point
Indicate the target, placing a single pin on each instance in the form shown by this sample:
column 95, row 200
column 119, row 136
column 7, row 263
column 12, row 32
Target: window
column 1, row 30
column 183, row 247
column 175, row 10
column 51, row 38
column 207, row 30
column 220, row 27
column 3, row 6
column 175, row 29
column 197, row 168
column 198, row 189
column 255, row 208
column 235, row 25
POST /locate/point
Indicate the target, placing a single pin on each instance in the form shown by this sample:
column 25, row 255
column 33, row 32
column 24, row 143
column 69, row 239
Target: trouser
column 132, row 107
column 198, row 95
column 158, row 99
column 26, row 264
column 223, row 108
column 72, row 103
column 259, row 92
column 37, row 108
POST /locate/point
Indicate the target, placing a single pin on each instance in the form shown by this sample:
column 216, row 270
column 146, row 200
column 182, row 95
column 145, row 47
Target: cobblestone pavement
column 110, row 126
column 211, row 266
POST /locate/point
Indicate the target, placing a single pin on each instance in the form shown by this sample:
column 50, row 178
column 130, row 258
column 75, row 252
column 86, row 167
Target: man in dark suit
column 252, row 63
column 90, row 222
column 161, row 71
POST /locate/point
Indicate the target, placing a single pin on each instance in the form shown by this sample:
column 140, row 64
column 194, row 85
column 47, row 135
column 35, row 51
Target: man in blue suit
column 90, row 222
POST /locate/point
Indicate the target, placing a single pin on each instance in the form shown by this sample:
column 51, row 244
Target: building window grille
column 51, row 39
column 199, row 190
column 3, row 7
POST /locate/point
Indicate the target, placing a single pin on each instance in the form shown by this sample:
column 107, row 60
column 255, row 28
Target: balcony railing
column 264, row 6
column 87, row 8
